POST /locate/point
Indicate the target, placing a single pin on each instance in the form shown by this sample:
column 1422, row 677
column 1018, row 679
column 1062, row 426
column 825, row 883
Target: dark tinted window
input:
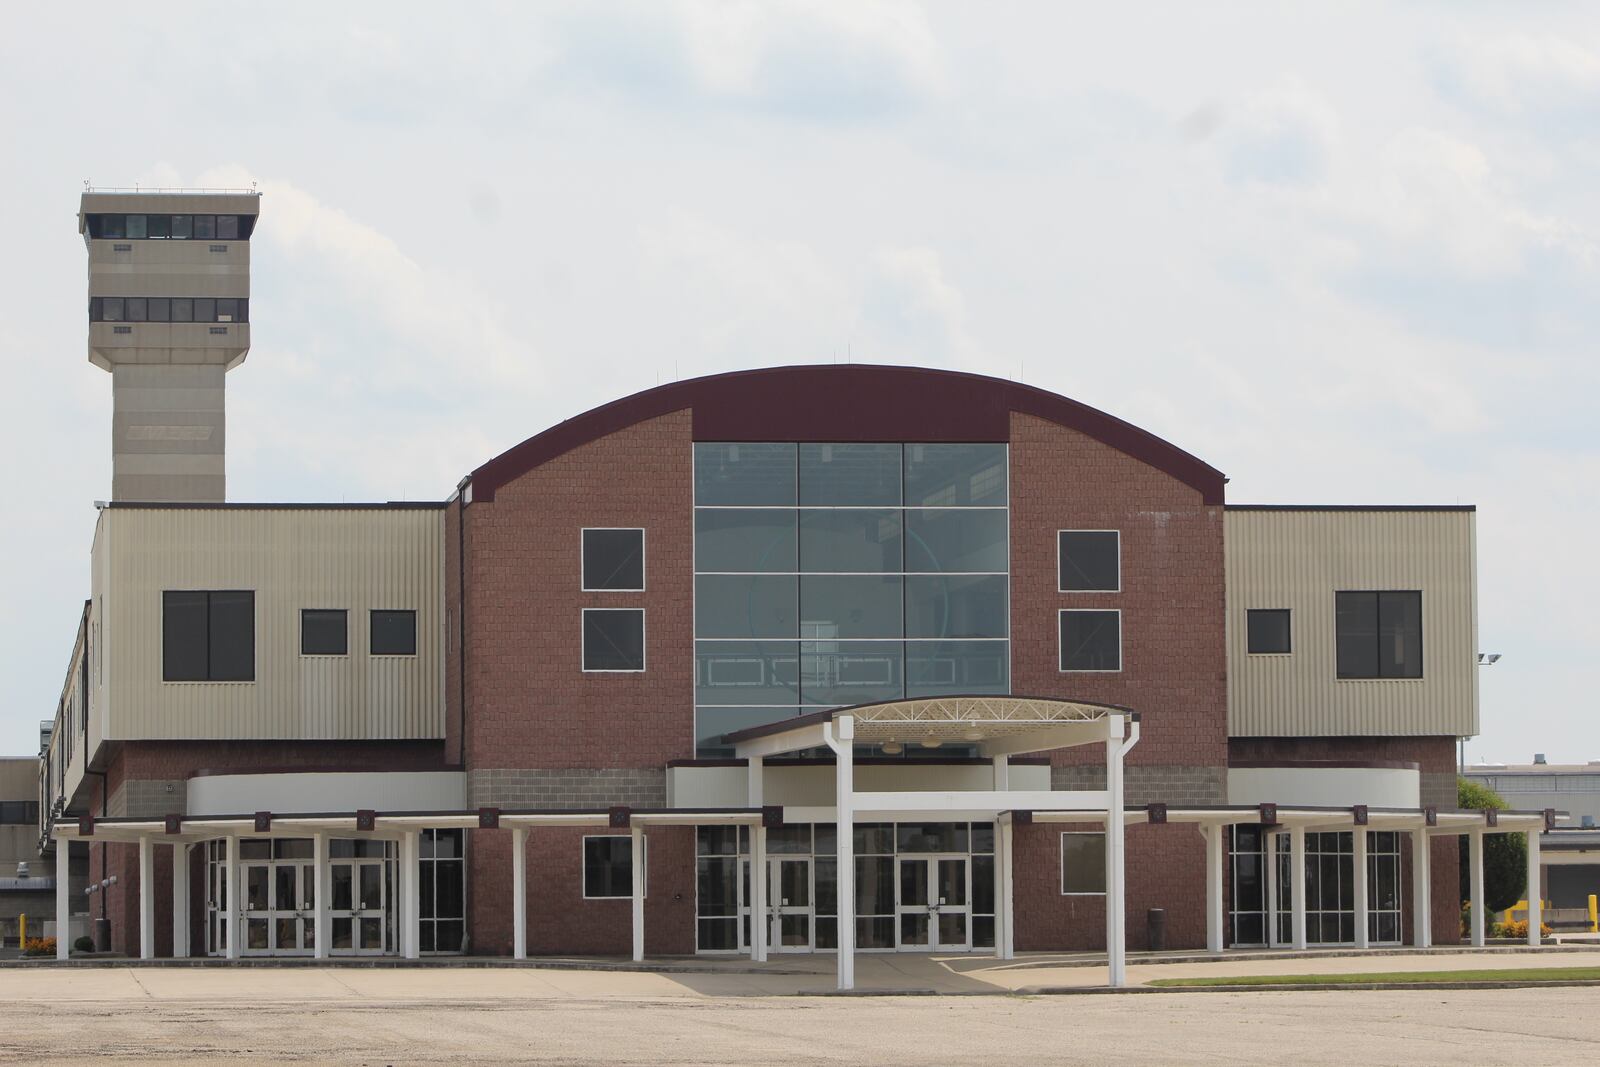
column 159, row 226
column 936, row 668
column 613, row 639
column 749, row 475
column 744, row 605
column 850, row 539
column 19, row 812
column 111, row 308
column 849, row 475
column 227, row 310
column 1091, row 641
column 967, row 605
column 113, row 226
column 1378, row 634
column 1083, row 863
column 136, row 226
column 208, row 636
column 324, row 632
column 1089, row 561
column 160, row 309
column 205, row 226
column 608, row 867
column 182, row 226
column 182, row 309
column 739, row 540
column 227, row 227
column 394, row 633
column 1267, row 630
column 136, row 308
column 613, row 559
column 851, row 606
column 205, row 310
column 954, row 539
column 955, row 475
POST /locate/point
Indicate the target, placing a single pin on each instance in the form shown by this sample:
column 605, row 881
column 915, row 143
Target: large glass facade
column 835, row 574
column 1330, row 889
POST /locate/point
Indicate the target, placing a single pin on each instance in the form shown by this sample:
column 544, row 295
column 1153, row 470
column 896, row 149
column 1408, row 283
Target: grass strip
column 1508, row 974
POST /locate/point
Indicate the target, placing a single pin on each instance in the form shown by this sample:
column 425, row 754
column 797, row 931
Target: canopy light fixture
column 933, row 740
column 892, row 747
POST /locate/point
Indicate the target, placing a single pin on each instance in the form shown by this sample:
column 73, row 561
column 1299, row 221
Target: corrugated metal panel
column 1298, row 560
column 357, row 560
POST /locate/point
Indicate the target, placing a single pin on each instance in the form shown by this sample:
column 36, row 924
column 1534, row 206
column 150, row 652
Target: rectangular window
column 159, row 226
column 1378, row 634
column 205, row 226
column 227, row 310
column 182, row 226
column 137, row 309
column 136, row 226
column 111, row 308
column 113, row 226
column 324, row 632
column 1089, row 561
column 182, row 309
column 608, row 867
column 227, row 227
column 394, row 633
column 1083, row 863
column 613, row 639
column 208, row 636
column 205, row 310
column 160, row 309
column 1267, row 631
column 1091, row 640
column 613, row 560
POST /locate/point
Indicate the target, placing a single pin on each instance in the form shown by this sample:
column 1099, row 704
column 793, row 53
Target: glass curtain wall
column 828, row 575
column 1330, row 888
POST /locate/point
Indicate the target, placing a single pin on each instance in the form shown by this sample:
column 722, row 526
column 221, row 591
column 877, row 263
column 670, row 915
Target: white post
column 411, row 901
column 1269, row 846
column 233, row 898
column 63, row 915
column 756, row 785
column 637, row 833
column 1002, row 773
column 759, row 932
column 1358, row 871
column 1005, row 843
column 180, row 900
column 519, row 893
column 1421, row 913
column 1215, row 866
column 147, row 898
column 1475, row 859
column 1535, row 891
column 1116, row 906
column 321, row 928
column 843, row 745
column 1297, row 887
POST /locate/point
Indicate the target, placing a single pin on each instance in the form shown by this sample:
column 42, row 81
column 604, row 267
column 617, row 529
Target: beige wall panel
column 293, row 559
column 1298, row 560
column 195, row 203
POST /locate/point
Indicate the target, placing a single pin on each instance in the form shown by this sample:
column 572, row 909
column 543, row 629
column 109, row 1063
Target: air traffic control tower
column 169, row 316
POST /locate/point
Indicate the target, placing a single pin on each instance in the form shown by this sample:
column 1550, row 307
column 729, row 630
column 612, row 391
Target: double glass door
column 789, row 915
column 279, row 913
column 935, row 911
column 359, row 907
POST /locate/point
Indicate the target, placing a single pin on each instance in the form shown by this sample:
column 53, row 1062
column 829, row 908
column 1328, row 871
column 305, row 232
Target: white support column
column 1006, row 932
column 1475, row 860
column 180, row 900
column 637, row 834
column 519, row 893
column 1535, row 891
column 411, row 912
column 1116, row 868
column 759, row 922
column 147, row 898
column 1421, row 877
column 843, row 745
column 321, row 886
column 1002, row 773
column 1215, row 866
column 756, row 781
column 1358, row 871
column 1269, row 846
column 63, row 913
column 233, row 897
column 1297, row 887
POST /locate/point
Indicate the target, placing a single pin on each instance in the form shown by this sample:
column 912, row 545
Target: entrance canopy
column 997, row 725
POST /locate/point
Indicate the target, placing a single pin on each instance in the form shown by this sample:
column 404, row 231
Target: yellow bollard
column 22, row 926
column 1594, row 914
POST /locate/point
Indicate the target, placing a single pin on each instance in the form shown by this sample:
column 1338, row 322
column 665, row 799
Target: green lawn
column 1508, row 974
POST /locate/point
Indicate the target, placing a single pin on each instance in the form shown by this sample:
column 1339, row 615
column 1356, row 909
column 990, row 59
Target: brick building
column 621, row 689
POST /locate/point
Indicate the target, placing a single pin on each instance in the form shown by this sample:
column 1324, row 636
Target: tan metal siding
column 357, row 560
column 1298, row 560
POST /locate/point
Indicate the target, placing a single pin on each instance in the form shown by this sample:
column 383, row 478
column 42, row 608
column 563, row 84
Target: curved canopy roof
column 854, row 402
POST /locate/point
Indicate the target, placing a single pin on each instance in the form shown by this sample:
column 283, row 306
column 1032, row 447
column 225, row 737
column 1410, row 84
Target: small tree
column 1505, row 856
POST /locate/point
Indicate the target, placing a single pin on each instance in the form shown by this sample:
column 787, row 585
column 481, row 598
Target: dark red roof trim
column 848, row 403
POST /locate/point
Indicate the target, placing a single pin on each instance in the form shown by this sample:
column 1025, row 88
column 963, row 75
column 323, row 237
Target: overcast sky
column 1346, row 255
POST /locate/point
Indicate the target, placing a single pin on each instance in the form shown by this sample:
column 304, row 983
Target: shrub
column 39, row 946
column 1519, row 929
column 83, row 944
column 1505, row 856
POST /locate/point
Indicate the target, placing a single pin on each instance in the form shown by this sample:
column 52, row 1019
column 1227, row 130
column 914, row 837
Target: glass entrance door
column 934, row 908
column 359, row 907
column 278, row 910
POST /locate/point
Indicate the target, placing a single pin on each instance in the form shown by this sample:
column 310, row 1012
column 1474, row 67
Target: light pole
column 1485, row 659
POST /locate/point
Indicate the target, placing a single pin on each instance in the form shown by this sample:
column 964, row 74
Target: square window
column 324, row 632
column 613, row 639
column 182, row 226
column 208, row 636
column 1089, row 561
column 182, row 309
column 394, row 633
column 1267, row 630
column 227, row 310
column 205, row 309
column 1083, row 863
column 608, row 866
column 227, row 227
column 111, row 308
column 159, row 309
column 136, row 226
column 137, row 309
column 1378, row 634
column 1091, row 640
column 613, row 560
column 205, row 226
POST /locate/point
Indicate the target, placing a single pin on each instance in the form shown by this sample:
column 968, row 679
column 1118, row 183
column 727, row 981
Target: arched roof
column 848, row 403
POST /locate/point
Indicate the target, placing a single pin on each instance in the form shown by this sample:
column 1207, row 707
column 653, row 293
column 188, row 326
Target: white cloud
column 1522, row 72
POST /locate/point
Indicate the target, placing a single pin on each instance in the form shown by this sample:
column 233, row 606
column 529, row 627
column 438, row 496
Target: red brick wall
column 560, row 920
column 1173, row 670
column 531, row 704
